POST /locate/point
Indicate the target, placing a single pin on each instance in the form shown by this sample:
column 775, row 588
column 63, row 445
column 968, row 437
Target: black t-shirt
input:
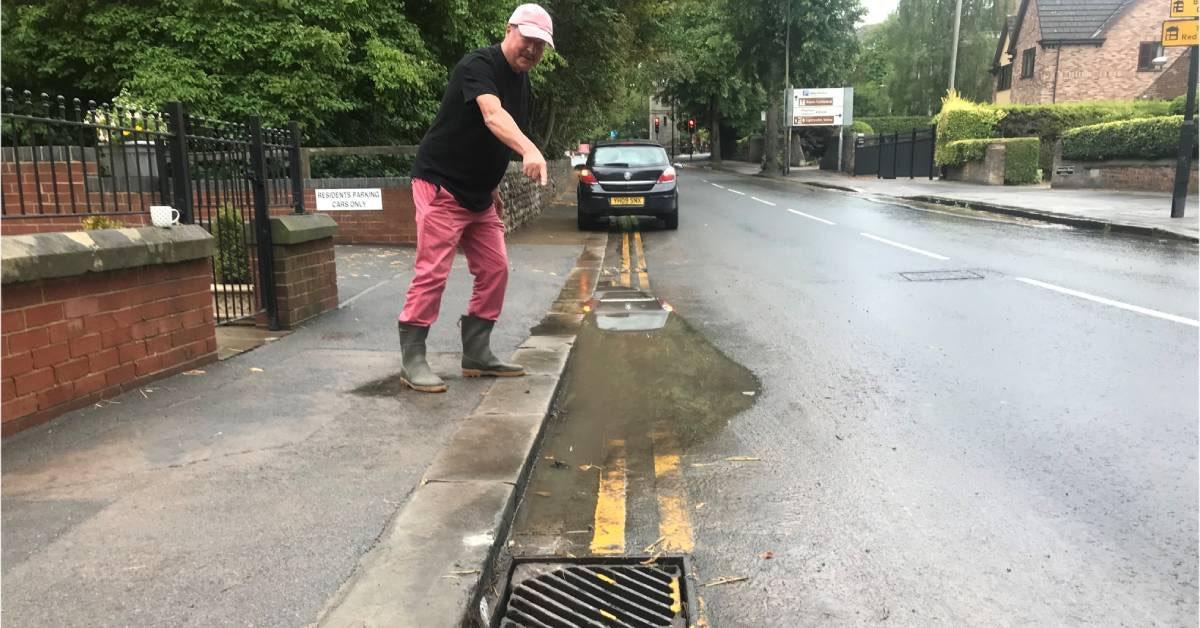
column 458, row 151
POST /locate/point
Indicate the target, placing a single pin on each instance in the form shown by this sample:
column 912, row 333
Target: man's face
column 529, row 50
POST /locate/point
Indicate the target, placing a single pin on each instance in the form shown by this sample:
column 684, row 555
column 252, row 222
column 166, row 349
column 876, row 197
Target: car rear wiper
column 616, row 163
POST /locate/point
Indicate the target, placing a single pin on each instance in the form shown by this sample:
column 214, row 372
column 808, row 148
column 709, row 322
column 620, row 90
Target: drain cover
column 630, row 595
column 941, row 275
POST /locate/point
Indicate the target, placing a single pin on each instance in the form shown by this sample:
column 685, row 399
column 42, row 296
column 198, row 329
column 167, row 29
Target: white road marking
column 762, row 201
column 718, row 185
column 735, row 191
column 905, row 247
column 811, row 217
column 1124, row 306
column 368, row 291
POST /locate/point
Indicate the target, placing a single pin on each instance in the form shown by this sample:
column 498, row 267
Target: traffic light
column 656, row 122
column 691, row 125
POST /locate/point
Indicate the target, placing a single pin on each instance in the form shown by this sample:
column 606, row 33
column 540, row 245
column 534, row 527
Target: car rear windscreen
column 630, row 156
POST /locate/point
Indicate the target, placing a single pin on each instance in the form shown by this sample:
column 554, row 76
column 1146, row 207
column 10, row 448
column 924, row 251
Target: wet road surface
column 889, row 415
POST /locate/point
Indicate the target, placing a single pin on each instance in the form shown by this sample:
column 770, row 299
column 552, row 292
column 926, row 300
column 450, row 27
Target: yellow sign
column 1181, row 32
column 1185, row 8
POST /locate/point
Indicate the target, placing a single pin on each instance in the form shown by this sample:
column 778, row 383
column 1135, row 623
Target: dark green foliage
column 232, row 258
column 896, row 124
column 1145, row 138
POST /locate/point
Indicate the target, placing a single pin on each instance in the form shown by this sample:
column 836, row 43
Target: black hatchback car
column 627, row 178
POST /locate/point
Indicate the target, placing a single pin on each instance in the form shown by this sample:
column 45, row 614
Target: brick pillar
column 305, row 266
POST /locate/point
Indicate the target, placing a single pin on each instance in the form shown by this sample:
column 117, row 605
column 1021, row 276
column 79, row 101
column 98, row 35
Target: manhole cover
column 621, row 592
column 941, row 275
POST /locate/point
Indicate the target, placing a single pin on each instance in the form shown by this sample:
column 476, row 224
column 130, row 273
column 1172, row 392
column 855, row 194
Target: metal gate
column 67, row 160
column 889, row 156
column 227, row 177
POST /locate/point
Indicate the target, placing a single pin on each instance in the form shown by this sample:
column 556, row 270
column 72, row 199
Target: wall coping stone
column 67, row 254
column 359, row 182
column 300, row 228
column 1125, row 163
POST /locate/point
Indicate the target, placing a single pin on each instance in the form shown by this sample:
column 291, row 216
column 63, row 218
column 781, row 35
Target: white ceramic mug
column 164, row 215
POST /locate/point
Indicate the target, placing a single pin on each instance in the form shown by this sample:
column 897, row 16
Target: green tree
column 917, row 41
column 820, row 36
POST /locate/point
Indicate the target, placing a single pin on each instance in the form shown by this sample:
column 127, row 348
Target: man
column 459, row 165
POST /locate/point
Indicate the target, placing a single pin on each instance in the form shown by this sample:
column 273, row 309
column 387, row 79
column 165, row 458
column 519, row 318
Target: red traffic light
column 691, row 124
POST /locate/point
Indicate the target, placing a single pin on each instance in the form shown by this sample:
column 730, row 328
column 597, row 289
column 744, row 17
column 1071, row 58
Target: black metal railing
column 73, row 158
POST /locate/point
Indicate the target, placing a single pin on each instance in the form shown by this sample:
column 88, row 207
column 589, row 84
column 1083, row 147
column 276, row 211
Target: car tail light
column 667, row 175
column 587, row 176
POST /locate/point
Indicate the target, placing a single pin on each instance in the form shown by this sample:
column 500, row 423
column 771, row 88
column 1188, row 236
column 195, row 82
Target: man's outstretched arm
column 502, row 125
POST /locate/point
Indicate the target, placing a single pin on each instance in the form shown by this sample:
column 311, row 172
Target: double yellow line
column 674, row 522
column 628, row 269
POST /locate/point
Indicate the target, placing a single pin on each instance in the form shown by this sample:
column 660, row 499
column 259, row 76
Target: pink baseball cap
column 533, row 21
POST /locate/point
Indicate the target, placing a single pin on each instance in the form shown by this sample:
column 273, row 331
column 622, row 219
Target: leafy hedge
column 1179, row 105
column 1049, row 122
column 897, row 124
column 961, row 119
column 1144, row 138
column 1020, row 156
column 1021, row 160
column 862, row 127
column 959, row 152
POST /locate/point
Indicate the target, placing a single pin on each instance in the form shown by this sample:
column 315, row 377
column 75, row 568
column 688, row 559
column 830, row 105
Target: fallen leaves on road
column 653, row 545
column 726, row 580
column 589, row 467
column 700, row 505
column 542, row 493
column 459, row 574
column 255, row 369
column 653, row 559
column 194, row 372
column 767, row 555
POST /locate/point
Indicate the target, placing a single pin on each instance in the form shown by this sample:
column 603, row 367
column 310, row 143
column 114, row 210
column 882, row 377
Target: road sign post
column 1184, row 30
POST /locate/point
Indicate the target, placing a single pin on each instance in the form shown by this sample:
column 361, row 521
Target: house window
column 1147, row 51
column 1005, row 80
column 1027, row 58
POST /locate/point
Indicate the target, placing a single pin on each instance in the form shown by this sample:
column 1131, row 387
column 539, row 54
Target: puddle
column 387, row 386
column 629, row 387
column 672, row 378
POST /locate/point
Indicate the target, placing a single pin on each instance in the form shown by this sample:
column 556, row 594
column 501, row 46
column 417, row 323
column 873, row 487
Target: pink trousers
column 442, row 226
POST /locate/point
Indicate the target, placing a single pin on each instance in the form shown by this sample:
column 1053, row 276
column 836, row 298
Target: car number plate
column 627, row 201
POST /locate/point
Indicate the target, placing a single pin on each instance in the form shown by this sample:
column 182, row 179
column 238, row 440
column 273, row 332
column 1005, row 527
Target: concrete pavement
column 250, row 493
column 1139, row 212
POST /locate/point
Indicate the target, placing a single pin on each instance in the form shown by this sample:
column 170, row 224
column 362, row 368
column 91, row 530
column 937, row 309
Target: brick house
column 1072, row 50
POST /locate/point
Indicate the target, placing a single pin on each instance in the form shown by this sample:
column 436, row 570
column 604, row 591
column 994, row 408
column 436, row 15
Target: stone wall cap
column 300, row 228
column 67, row 254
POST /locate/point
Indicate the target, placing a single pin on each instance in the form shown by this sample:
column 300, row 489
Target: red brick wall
column 62, row 212
column 1148, row 176
column 1171, row 82
column 305, row 280
column 1030, row 90
column 396, row 224
column 72, row 341
column 1110, row 72
column 1088, row 72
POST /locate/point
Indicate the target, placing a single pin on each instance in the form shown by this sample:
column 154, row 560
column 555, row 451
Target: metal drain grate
column 941, row 275
column 555, row 595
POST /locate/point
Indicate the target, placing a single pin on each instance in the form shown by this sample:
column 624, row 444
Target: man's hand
column 534, row 166
column 498, row 202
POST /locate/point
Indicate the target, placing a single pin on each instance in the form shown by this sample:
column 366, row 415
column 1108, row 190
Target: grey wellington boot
column 478, row 359
column 416, row 373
